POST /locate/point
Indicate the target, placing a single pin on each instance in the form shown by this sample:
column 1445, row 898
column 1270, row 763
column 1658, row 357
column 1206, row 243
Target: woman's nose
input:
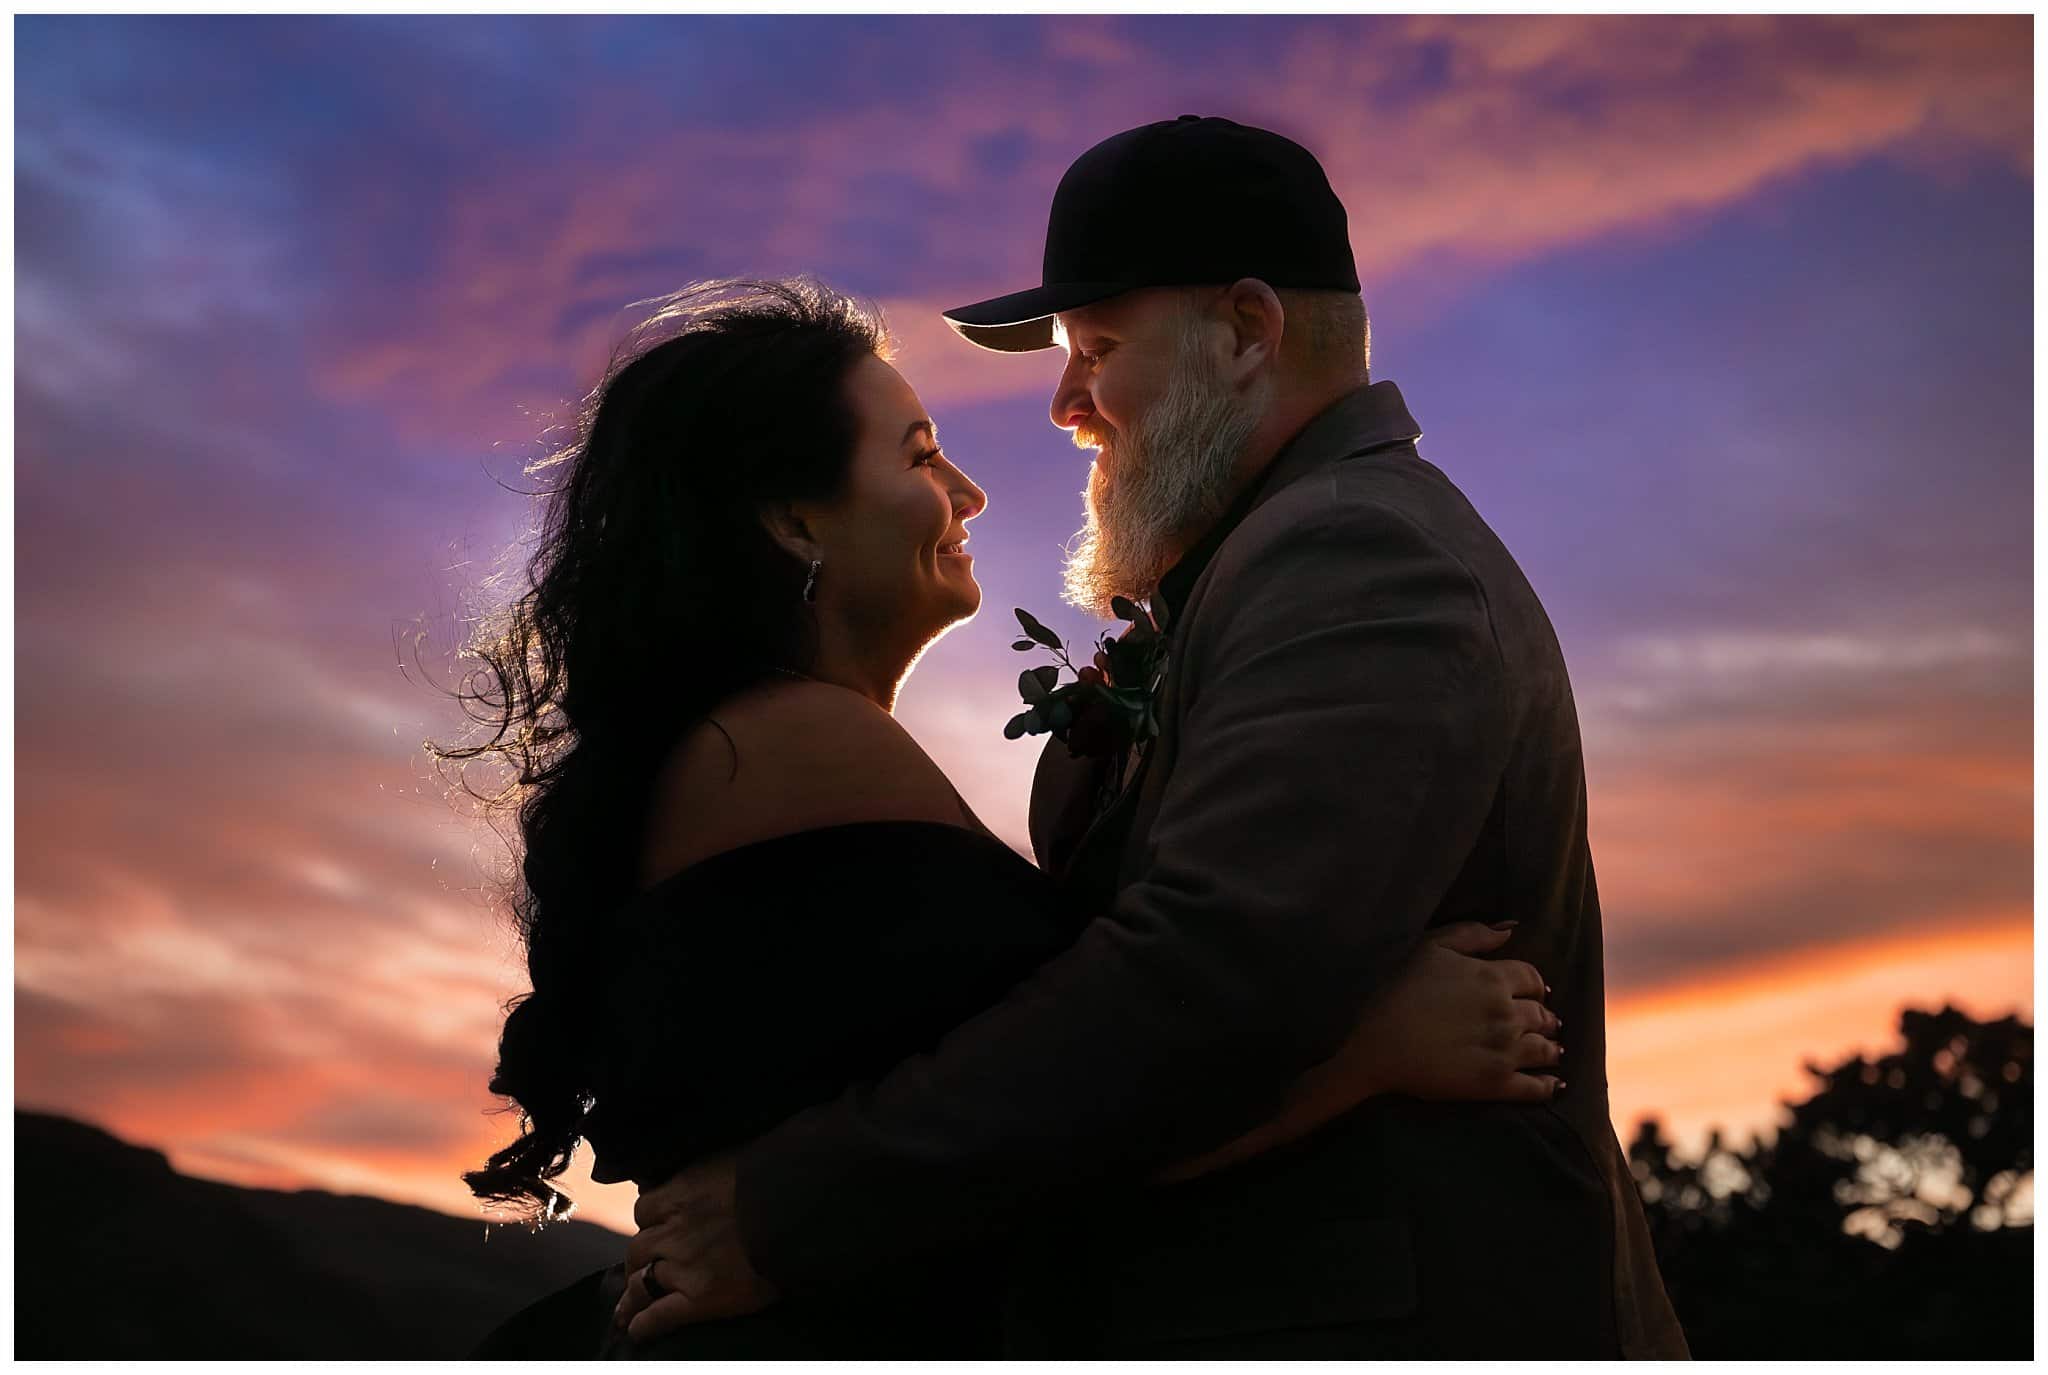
column 969, row 500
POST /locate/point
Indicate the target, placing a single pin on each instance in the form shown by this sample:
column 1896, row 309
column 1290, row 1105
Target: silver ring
column 653, row 1285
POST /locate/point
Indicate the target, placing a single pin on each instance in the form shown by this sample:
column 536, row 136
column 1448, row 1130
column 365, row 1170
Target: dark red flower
column 1098, row 728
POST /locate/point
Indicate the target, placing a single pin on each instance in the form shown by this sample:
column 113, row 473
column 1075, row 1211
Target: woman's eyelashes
column 927, row 457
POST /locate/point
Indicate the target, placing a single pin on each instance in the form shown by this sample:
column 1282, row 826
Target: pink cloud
column 1547, row 130
column 1542, row 132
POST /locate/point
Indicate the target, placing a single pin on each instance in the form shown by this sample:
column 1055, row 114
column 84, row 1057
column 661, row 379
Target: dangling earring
column 811, row 583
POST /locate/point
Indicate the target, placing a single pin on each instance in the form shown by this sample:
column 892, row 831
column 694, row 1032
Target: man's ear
column 788, row 528
column 1257, row 321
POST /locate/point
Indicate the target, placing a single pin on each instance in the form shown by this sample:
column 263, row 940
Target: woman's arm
column 1452, row 1026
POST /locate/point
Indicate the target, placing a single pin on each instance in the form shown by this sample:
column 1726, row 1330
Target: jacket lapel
column 1098, row 858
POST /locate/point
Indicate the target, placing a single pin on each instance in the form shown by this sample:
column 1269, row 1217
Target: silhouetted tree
column 1890, row 1217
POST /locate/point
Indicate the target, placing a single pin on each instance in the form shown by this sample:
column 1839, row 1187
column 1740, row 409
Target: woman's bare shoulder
column 786, row 757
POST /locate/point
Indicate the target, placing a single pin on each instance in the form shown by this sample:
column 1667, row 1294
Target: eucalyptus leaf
column 1030, row 686
column 1060, row 716
column 1016, row 725
column 1048, row 676
column 1037, row 631
column 1125, row 609
column 1025, row 644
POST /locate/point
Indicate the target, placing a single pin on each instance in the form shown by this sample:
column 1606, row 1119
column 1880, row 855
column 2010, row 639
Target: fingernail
column 1503, row 925
column 1559, row 1089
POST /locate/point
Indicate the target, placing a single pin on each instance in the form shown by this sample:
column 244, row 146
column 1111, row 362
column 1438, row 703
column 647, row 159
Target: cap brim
column 1022, row 321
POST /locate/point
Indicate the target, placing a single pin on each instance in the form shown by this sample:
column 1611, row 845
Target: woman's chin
column 963, row 599
column 957, row 604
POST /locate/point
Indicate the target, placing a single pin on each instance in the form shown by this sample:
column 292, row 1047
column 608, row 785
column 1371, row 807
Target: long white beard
column 1155, row 487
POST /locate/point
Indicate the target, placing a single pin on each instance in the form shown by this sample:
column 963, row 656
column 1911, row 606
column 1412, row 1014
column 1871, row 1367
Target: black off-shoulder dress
column 768, row 978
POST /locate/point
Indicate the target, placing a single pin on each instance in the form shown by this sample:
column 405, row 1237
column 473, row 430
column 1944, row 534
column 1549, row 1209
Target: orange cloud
column 1725, row 1049
column 1770, row 790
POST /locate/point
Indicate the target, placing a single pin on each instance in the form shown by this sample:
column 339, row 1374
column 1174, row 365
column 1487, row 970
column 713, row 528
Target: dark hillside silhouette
column 1876, row 1224
column 1880, row 1223
column 117, row 1256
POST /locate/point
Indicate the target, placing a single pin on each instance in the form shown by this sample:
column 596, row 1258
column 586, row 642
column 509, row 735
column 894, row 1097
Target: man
column 1366, row 711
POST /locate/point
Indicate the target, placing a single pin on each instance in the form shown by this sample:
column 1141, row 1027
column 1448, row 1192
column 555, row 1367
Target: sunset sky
column 1723, row 323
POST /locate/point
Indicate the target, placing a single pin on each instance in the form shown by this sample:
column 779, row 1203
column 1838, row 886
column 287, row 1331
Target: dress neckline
column 841, row 828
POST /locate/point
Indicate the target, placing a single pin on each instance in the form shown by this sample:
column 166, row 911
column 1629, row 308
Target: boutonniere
column 1109, row 707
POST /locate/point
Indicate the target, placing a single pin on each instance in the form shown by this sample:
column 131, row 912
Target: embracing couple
column 1257, row 1061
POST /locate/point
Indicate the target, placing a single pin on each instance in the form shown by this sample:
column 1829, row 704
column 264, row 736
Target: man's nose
column 1070, row 403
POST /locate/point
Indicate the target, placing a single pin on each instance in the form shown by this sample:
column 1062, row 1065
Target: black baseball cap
column 1184, row 202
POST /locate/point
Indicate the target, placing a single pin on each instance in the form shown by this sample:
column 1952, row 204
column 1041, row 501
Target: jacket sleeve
column 1342, row 734
column 1062, row 789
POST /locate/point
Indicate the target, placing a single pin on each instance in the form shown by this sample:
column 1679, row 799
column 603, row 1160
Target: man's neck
column 1294, row 405
column 1284, row 421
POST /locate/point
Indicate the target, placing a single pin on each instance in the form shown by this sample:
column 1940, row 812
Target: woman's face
column 893, row 544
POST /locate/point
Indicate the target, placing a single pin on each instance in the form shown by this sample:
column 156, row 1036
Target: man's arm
column 1343, row 735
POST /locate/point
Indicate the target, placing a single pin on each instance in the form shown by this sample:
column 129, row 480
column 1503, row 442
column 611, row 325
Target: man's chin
column 1099, row 602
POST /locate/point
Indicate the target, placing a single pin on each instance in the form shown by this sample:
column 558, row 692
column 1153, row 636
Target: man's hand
column 687, row 1263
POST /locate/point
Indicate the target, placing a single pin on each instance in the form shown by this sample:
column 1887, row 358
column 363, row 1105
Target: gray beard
column 1166, row 480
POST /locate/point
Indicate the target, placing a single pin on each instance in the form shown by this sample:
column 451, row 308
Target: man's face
column 1120, row 356
column 1144, row 387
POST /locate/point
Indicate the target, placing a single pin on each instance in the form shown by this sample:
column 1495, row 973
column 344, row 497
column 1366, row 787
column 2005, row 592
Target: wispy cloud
column 1508, row 135
column 1750, row 657
column 1771, row 790
column 1477, row 141
column 1706, row 671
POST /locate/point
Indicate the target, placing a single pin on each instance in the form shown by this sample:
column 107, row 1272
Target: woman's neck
column 862, row 663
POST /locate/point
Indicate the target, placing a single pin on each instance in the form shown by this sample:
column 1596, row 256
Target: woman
column 744, row 885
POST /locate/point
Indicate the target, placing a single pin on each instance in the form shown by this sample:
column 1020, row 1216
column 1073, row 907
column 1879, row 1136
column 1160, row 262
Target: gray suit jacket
column 1366, row 730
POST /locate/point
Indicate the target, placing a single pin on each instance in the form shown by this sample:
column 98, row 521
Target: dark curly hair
column 655, row 592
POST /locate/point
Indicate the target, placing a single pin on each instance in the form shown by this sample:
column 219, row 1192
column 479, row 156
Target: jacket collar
column 1371, row 417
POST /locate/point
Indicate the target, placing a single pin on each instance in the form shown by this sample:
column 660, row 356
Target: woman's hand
column 1451, row 1026
column 1454, row 1026
column 687, row 1263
